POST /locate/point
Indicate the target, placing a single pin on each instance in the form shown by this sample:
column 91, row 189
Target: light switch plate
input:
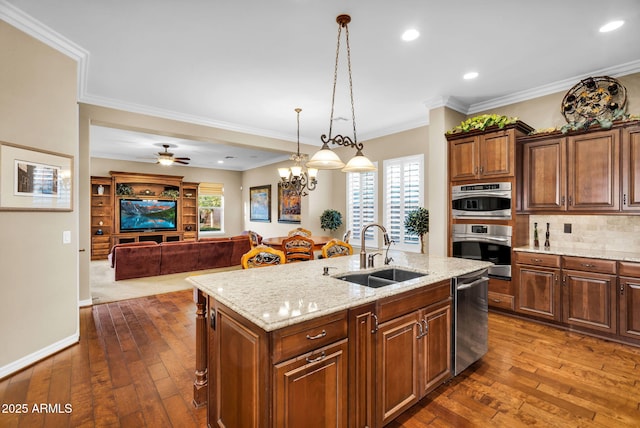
column 66, row 237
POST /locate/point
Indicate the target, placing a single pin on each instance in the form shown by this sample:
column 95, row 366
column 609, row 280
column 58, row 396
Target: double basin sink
column 381, row 278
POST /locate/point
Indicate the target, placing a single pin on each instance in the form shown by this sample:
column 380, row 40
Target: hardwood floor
column 134, row 367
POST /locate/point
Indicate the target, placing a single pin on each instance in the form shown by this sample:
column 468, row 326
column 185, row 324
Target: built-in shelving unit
column 106, row 193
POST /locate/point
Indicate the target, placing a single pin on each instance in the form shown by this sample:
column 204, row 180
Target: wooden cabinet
column 582, row 172
column 593, row 166
column 544, row 176
column 190, row 211
column 362, row 333
column 486, row 155
column 101, row 217
column 537, row 281
column 298, row 374
column 629, row 300
column 589, row 293
column 311, row 390
column 631, row 169
column 501, row 294
column 413, row 355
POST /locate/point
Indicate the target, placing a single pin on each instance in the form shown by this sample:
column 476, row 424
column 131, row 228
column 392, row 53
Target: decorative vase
column 536, row 241
column 101, row 190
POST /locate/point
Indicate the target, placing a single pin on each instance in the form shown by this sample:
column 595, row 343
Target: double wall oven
column 480, row 240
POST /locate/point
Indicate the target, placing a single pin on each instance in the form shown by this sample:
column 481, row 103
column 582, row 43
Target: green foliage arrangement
column 124, row 189
column 417, row 223
column 330, row 219
column 482, row 122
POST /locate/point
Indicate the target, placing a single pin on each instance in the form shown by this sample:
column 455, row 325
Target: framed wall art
column 288, row 205
column 260, row 203
column 35, row 180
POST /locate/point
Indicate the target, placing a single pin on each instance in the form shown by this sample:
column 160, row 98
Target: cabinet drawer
column 392, row 307
column 297, row 339
column 101, row 246
column 500, row 300
column 629, row 269
column 537, row 259
column 589, row 265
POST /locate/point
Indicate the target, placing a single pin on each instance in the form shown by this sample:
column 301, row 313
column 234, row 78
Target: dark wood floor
column 134, row 367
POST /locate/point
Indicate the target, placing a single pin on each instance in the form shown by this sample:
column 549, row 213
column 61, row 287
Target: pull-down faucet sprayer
column 363, row 252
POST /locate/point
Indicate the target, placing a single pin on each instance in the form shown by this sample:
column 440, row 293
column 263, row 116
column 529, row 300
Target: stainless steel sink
column 380, row 278
column 397, row 275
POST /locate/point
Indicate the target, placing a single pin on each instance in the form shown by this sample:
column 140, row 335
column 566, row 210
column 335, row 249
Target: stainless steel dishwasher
column 470, row 319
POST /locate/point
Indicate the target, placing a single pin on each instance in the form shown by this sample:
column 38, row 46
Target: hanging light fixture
column 298, row 177
column 325, row 158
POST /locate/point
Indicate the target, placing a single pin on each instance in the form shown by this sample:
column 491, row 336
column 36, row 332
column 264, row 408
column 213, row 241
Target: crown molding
column 36, row 29
column 552, row 88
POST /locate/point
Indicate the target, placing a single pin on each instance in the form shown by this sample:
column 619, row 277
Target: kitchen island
column 290, row 346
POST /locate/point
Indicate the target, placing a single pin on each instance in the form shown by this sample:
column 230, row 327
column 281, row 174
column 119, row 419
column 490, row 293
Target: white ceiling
column 244, row 65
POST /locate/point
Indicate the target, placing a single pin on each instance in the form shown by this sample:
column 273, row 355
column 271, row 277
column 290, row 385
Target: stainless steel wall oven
column 487, row 242
column 482, row 201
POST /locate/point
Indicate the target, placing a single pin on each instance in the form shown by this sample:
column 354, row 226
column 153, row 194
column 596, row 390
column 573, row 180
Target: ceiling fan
column 167, row 158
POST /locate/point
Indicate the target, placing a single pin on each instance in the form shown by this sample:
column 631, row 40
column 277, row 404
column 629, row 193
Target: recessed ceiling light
column 410, row 35
column 470, row 75
column 610, row 26
column 220, row 161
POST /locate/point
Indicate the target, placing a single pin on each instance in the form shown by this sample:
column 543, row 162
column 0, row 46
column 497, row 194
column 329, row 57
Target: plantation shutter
column 402, row 193
column 362, row 205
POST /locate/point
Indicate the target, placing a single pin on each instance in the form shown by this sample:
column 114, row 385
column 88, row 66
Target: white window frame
column 355, row 223
column 220, row 192
column 395, row 212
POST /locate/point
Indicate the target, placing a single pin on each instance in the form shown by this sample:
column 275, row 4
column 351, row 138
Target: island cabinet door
column 436, row 347
column 311, row 390
column 397, row 366
column 238, row 368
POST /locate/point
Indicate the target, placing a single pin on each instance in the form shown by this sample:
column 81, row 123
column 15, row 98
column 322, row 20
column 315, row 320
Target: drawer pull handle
column 497, row 300
column 588, row 265
column 318, row 358
column 536, row 260
column 317, row 336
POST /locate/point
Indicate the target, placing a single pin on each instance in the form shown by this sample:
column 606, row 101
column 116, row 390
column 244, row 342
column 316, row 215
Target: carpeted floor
column 104, row 288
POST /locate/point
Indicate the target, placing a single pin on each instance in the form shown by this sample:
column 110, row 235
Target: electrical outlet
column 567, row 228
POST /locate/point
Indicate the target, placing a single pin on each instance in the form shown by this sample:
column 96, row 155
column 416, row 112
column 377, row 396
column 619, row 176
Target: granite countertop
column 593, row 253
column 277, row 296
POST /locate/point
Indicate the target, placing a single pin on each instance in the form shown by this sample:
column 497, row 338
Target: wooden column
column 200, row 383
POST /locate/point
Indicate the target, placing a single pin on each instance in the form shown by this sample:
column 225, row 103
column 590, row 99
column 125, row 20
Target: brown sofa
column 140, row 259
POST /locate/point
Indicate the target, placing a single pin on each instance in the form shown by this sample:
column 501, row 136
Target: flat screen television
column 139, row 215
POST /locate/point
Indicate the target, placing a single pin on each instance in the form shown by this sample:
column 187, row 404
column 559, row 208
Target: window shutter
column 403, row 193
column 362, row 205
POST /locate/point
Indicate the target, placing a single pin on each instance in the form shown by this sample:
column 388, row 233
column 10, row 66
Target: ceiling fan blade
column 182, row 158
column 181, row 162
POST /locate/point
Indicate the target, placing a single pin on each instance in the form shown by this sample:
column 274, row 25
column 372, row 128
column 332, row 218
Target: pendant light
column 298, row 178
column 325, row 158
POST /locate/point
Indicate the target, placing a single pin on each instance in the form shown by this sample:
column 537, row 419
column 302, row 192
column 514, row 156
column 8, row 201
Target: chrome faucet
column 363, row 252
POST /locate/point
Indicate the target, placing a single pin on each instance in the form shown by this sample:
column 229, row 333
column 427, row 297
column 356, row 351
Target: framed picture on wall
column 34, row 180
column 288, row 205
column 260, row 203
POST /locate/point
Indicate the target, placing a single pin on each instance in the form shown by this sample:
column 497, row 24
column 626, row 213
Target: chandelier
column 325, row 158
column 298, row 178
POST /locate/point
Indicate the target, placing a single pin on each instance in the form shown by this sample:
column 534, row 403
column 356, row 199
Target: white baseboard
column 84, row 303
column 38, row 355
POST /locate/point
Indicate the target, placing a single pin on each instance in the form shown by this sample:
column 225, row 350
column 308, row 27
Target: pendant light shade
column 325, row 158
column 359, row 163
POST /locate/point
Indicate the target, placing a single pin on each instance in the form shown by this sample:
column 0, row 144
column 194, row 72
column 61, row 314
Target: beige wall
column 544, row 112
column 39, row 286
column 323, row 197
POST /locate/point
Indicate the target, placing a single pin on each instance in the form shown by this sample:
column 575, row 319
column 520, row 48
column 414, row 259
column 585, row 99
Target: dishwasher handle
column 467, row 285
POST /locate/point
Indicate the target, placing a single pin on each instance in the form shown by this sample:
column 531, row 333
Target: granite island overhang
column 291, row 320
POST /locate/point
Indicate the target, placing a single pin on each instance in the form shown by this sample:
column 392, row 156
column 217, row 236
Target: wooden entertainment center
column 106, row 193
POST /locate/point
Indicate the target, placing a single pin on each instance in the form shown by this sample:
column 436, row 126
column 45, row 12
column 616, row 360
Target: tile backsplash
column 605, row 232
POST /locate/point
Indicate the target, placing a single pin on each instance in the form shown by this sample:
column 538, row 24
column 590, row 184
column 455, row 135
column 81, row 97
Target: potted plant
column 330, row 219
column 417, row 223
